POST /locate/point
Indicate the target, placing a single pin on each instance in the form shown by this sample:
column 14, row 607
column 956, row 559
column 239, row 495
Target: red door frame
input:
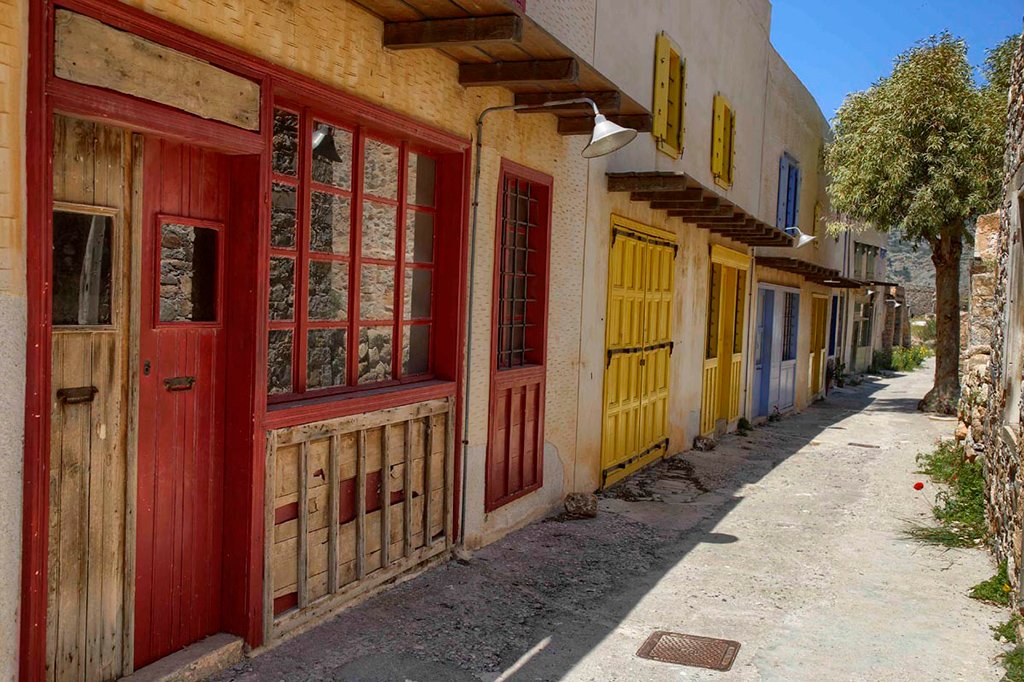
column 46, row 95
column 535, row 371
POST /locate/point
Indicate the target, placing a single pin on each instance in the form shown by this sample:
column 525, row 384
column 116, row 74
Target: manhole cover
column 691, row 650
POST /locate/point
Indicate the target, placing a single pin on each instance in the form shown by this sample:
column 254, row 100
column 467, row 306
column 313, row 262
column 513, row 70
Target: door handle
column 77, row 395
column 179, row 383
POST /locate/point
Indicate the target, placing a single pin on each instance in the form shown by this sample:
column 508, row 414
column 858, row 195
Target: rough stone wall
column 13, row 52
column 1003, row 455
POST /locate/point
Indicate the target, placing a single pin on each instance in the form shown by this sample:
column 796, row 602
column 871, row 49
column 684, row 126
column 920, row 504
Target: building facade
column 298, row 297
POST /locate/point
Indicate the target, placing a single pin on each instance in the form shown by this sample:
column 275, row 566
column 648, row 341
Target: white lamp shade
column 607, row 138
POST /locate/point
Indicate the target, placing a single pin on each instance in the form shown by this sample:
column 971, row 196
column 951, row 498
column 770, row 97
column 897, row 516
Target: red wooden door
column 515, row 443
column 181, row 399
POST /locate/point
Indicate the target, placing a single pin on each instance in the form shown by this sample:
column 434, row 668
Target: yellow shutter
column 718, row 137
column 662, row 56
column 729, row 152
column 682, row 105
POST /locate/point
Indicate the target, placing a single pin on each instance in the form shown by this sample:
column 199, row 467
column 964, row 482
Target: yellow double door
column 722, row 382
column 638, row 348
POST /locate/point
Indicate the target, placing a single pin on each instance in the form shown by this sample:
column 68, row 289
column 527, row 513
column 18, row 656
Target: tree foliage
column 921, row 149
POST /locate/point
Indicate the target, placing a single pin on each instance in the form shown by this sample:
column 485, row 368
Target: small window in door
column 83, row 281
column 188, row 271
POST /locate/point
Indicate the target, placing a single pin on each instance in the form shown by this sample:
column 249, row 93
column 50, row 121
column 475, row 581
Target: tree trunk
column 946, row 252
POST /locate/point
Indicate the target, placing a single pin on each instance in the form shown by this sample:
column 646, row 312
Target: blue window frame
column 789, row 192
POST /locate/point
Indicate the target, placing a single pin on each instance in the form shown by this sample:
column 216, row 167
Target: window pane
column 325, row 358
column 332, row 155
column 82, row 268
column 419, row 187
column 328, row 290
column 416, row 349
column 329, row 221
column 188, row 273
column 279, row 361
column 377, row 292
column 286, row 142
column 380, row 230
column 282, row 216
column 419, row 237
column 282, row 288
column 375, row 354
column 417, row 293
column 380, row 169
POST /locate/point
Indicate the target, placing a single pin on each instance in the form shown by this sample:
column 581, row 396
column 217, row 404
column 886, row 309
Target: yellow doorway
column 638, row 348
column 723, row 346
column 819, row 320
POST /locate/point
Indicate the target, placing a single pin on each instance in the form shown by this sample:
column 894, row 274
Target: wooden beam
column 482, row 31
column 648, row 182
column 697, row 211
column 607, row 101
column 519, row 73
column 738, row 219
column 693, row 195
column 584, row 125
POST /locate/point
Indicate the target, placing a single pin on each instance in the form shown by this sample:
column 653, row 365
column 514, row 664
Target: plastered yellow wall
column 13, row 57
column 339, row 44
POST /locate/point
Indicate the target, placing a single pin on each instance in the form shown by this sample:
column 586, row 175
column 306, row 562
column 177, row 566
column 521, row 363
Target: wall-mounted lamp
column 801, row 238
column 323, row 143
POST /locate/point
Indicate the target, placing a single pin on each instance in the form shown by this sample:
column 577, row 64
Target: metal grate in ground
column 690, row 650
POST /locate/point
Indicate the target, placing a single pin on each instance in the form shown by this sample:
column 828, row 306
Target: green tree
column 921, row 151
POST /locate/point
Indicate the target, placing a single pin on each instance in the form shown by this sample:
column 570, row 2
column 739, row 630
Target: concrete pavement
column 787, row 540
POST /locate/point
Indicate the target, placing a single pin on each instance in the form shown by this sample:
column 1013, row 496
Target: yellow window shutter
column 718, row 137
column 662, row 56
column 682, row 105
column 730, row 157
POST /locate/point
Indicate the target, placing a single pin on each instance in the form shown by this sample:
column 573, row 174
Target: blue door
column 763, row 351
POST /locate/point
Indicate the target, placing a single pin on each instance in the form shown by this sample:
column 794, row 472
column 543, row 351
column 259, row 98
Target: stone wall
column 1002, row 437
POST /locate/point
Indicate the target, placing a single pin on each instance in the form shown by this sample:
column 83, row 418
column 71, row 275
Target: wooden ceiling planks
column 535, row 45
column 811, row 271
column 686, row 199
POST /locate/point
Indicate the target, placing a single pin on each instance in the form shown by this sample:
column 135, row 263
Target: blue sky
column 842, row 46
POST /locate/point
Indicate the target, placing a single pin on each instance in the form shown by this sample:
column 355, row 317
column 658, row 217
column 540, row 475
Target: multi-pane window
column 351, row 257
column 788, row 213
column 723, row 142
column 790, row 320
column 668, row 126
column 521, row 268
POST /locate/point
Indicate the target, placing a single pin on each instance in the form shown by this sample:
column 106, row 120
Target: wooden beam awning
column 685, row 198
column 811, row 271
column 497, row 44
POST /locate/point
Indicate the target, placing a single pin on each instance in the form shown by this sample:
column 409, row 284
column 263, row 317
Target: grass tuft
column 1013, row 661
column 995, row 590
column 960, row 506
column 1007, row 630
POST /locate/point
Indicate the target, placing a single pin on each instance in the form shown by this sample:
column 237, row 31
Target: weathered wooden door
column 85, row 620
column 724, row 334
column 638, row 334
column 515, row 438
column 181, row 399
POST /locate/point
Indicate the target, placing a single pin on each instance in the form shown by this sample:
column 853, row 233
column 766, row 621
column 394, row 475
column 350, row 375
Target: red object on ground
column 919, row 486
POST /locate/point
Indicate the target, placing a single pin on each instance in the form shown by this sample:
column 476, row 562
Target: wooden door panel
column 87, row 508
column 515, row 442
column 181, row 448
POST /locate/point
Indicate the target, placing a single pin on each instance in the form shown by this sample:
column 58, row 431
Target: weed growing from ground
column 960, row 505
column 1008, row 630
column 1013, row 661
column 743, row 427
column 995, row 590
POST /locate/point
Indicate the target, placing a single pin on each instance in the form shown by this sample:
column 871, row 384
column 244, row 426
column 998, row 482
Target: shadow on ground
column 532, row 605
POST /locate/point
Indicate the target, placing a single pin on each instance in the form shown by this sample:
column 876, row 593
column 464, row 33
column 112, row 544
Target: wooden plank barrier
column 352, row 503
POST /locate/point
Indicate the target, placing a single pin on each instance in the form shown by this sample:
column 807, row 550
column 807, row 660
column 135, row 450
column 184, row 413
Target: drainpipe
column 472, row 272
